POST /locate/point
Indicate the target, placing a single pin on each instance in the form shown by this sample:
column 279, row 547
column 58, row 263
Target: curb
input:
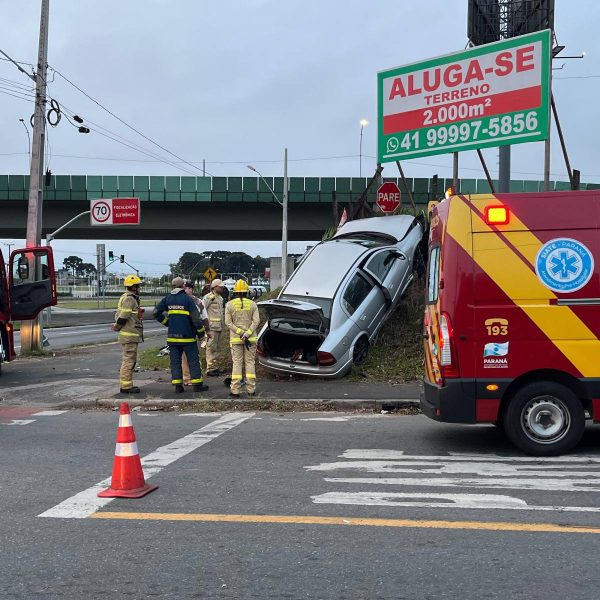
column 264, row 404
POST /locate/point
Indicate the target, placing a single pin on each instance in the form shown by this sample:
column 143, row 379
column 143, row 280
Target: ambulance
column 512, row 316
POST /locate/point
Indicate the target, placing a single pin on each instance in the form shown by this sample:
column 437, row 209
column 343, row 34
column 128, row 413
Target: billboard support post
column 562, row 140
column 405, row 182
column 486, row 171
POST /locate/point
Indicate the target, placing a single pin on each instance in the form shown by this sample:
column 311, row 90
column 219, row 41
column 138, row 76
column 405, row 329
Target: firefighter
column 179, row 313
column 188, row 286
column 241, row 318
column 128, row 322
column 214, row 307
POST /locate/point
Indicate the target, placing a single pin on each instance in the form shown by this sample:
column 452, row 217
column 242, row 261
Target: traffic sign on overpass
column 115, row 211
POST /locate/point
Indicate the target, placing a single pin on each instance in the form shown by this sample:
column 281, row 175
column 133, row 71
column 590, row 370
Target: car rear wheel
column 361, row 350
column 544, row 419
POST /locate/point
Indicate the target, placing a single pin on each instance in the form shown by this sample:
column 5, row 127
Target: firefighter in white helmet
column 128, row 322
column 241, row 318
column 214, row 304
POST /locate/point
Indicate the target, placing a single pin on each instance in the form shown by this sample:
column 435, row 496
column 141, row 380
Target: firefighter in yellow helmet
column 241, row 318
column 128, row 322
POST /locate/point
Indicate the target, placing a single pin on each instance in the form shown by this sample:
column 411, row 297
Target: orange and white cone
column 127, row 476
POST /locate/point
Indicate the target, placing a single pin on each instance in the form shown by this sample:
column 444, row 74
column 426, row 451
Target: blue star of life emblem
column 564, row 265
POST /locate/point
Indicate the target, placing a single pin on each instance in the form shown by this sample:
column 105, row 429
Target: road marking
column 352, row 521
column 375, row 454
column 550, row 485
column 86, row 503
column 49, row 413
column 462, row 471
column 19, row 422
column 200, row 414
column 429, row 500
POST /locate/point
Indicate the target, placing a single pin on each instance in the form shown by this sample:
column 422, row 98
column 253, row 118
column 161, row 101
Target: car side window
column 433, row 275
column 380, row 264
column 356, row 291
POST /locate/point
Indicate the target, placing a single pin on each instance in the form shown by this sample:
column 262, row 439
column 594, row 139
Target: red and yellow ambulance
column 512, row 320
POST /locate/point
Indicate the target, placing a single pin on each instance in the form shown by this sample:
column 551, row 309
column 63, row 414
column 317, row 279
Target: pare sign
column 489, row 95
column 115, row 211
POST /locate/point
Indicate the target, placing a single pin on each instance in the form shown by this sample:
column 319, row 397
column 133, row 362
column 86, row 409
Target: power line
column 578, row 77
column 124, row 141
column 19, row 97
column 124, row 122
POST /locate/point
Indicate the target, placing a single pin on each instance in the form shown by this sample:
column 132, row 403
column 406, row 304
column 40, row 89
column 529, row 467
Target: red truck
column 29, row 287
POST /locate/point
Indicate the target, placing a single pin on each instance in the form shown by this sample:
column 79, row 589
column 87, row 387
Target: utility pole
column 31, row 331
column 284, row 228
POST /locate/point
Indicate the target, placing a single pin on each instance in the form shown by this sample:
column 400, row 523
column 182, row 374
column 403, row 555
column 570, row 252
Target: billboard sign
column 490, row 95
column 115, row 211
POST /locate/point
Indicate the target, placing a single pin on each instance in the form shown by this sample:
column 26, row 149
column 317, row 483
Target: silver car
column 336, row 301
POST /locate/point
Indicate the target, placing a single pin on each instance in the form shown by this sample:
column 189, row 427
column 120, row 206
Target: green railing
column 240, row 189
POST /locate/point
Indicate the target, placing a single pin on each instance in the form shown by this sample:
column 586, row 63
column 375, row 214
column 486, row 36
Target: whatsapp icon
column 392, row 144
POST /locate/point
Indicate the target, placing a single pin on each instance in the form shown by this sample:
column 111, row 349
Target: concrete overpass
column 208, row 208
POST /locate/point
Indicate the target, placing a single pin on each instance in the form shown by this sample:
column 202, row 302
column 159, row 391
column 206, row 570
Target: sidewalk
column 88, row 378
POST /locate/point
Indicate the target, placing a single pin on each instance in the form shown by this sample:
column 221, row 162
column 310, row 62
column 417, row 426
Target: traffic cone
column 127, row 476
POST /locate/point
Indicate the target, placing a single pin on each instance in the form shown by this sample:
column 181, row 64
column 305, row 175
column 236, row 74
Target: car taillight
column 447, row 348
column 325, row 359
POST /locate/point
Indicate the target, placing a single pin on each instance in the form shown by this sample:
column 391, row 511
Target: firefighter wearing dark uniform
column 128, row 322
column 179, row 313
column 242, row 318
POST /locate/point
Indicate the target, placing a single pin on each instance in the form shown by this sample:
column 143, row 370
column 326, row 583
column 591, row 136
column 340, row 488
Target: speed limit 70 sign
column 115, row 211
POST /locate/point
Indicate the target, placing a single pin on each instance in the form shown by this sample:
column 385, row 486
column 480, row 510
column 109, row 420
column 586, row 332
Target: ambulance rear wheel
column 544, row 419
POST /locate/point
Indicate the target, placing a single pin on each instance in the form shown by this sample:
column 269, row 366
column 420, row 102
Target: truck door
column 32, row 284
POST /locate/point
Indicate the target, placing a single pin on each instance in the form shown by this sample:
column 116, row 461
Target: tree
column 74, row 263
column 87, row 268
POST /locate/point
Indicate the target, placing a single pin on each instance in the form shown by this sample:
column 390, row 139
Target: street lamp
column 28, row 139
column 284, row 206
column 363, row 124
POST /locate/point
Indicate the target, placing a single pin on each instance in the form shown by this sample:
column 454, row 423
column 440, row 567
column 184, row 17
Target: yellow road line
column 364, row 522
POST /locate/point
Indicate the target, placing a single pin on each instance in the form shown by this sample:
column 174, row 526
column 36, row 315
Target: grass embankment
column 395, row 357
column 397, row 354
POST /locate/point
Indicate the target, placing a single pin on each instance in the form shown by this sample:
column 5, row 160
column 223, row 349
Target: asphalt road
column 305, row 505
column 65, row 337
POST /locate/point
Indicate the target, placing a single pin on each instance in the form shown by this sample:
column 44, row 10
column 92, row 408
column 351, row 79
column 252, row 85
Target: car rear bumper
column 339, row 369
column 454, row 402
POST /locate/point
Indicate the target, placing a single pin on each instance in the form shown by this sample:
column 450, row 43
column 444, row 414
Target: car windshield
column 324, row 303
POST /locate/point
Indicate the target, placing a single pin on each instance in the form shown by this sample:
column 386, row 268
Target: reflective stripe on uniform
column 165, row 320
column 178, row 312
column 176, row 381
column 235, row 377
column 129, row 310
column 125, row 420
column 129, row 449
column 197, row 380
column 250, row 376
column 127, row 334
column 180, row 340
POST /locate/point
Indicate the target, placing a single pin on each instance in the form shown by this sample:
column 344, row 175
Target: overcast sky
column 234, row 82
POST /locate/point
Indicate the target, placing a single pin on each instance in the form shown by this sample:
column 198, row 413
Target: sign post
column 115, row 211
column 388, row 197
column 490, row 95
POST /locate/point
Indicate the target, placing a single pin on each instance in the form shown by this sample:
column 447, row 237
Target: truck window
column 433, row 275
